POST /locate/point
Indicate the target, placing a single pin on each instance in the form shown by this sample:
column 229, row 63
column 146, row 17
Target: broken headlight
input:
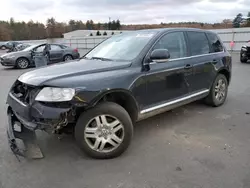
column 51, row 94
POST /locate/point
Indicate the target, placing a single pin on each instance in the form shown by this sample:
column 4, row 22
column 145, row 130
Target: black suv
column 126, row 78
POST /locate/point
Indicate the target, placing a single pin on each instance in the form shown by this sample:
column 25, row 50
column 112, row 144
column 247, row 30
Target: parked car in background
column 125, row 79
column 23, row 59
column 21, row 47
column 245, row 53
column 9, row 45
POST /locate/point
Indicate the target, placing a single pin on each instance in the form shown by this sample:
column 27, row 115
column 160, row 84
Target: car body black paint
column 148, row 83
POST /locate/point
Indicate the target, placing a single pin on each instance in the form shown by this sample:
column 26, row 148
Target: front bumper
column 16, row 131
column 30, row 117
column 245, row 54
column 7, row 62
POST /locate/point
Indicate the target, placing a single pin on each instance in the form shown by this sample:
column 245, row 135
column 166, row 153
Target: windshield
column 30, row 48
column 121, row 47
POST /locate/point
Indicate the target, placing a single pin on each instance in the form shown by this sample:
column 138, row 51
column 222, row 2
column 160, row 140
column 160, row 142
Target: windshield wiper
column 102, row 58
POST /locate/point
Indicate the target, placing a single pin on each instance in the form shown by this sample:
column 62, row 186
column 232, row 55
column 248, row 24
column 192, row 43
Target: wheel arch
column 226, row 73
column 67, row 55
column 122, row 97
column 22, row 57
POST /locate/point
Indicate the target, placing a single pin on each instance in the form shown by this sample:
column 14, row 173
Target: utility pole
column 109, row 23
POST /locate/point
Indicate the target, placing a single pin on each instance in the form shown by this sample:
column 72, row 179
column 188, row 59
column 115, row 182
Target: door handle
column 188, row 66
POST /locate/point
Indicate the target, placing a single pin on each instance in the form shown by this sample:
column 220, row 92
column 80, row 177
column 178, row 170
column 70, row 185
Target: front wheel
column 22, row 63
column 104, row 131
column 218, row 91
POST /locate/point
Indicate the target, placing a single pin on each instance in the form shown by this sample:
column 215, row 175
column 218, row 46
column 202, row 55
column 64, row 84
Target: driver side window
column 39, row 49
column 175, row 43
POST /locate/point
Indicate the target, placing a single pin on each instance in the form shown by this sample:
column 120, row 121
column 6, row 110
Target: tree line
column 15, row 30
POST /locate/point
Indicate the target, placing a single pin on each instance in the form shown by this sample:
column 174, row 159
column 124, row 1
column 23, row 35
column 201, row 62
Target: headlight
column 50, row 94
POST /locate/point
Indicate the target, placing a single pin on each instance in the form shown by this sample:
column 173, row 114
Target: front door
column 167, row 81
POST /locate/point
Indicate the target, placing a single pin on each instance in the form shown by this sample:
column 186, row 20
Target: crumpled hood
column 63, row 70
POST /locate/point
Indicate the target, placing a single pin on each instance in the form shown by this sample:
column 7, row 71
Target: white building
column 86, row 33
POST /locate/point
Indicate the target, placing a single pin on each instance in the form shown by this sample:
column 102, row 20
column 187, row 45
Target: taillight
column 76, row 50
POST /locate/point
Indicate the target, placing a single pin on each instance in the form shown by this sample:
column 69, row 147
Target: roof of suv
column 175, row 29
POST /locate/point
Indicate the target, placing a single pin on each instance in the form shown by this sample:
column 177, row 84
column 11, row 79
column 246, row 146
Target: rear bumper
column 76, row 56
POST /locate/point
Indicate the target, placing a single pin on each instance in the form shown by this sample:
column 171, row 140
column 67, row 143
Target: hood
column 63, row 70
column 19, row 53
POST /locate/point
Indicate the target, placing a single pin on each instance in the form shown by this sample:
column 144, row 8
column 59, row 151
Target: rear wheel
column 67, row 58
column 104, row 131
column 22, row 63
column 3, row 47
column 218, row 92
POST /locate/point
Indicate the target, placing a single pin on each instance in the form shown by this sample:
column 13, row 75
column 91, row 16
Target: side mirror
column 160, row 55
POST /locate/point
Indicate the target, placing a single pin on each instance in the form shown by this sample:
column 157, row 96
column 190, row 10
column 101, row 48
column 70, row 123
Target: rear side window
column 198, row 43
column 215, row 42
column 55, row 47
column 175, row 43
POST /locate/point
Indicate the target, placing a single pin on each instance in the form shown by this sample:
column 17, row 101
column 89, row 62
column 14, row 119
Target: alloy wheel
column 68, row 58
column 104, row 133
column 23, row 63
column 220, row 90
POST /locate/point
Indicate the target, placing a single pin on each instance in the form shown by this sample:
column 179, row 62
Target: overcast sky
column 128, row 11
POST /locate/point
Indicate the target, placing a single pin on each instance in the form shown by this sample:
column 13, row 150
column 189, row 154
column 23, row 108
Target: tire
column 67, row 58
column 22, row 63
column 213, row 98
column 87, row 139
column 3, row 47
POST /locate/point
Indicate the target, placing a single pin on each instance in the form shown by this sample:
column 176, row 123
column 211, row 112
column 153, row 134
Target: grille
column 24, row 92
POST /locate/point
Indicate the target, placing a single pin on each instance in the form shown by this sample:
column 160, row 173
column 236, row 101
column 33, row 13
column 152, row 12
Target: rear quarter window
column 198, row 43
column 216, row 45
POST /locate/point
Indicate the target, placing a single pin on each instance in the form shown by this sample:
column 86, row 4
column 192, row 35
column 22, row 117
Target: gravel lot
column 190, row 147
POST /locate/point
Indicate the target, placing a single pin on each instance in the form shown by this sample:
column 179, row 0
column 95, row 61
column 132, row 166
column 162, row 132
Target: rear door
column 56, row 53
column 201, row 59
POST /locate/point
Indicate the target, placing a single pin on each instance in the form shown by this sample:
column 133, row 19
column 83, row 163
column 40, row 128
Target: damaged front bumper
column 28, row 146
column 24, row 119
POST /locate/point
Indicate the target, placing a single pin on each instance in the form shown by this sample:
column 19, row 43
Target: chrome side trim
column 166, row 70
column 13, row 97
column 174, row 101
column 189, row 57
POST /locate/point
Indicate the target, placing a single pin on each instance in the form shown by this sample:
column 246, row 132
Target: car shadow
column 9, row 68
column 52, row 146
